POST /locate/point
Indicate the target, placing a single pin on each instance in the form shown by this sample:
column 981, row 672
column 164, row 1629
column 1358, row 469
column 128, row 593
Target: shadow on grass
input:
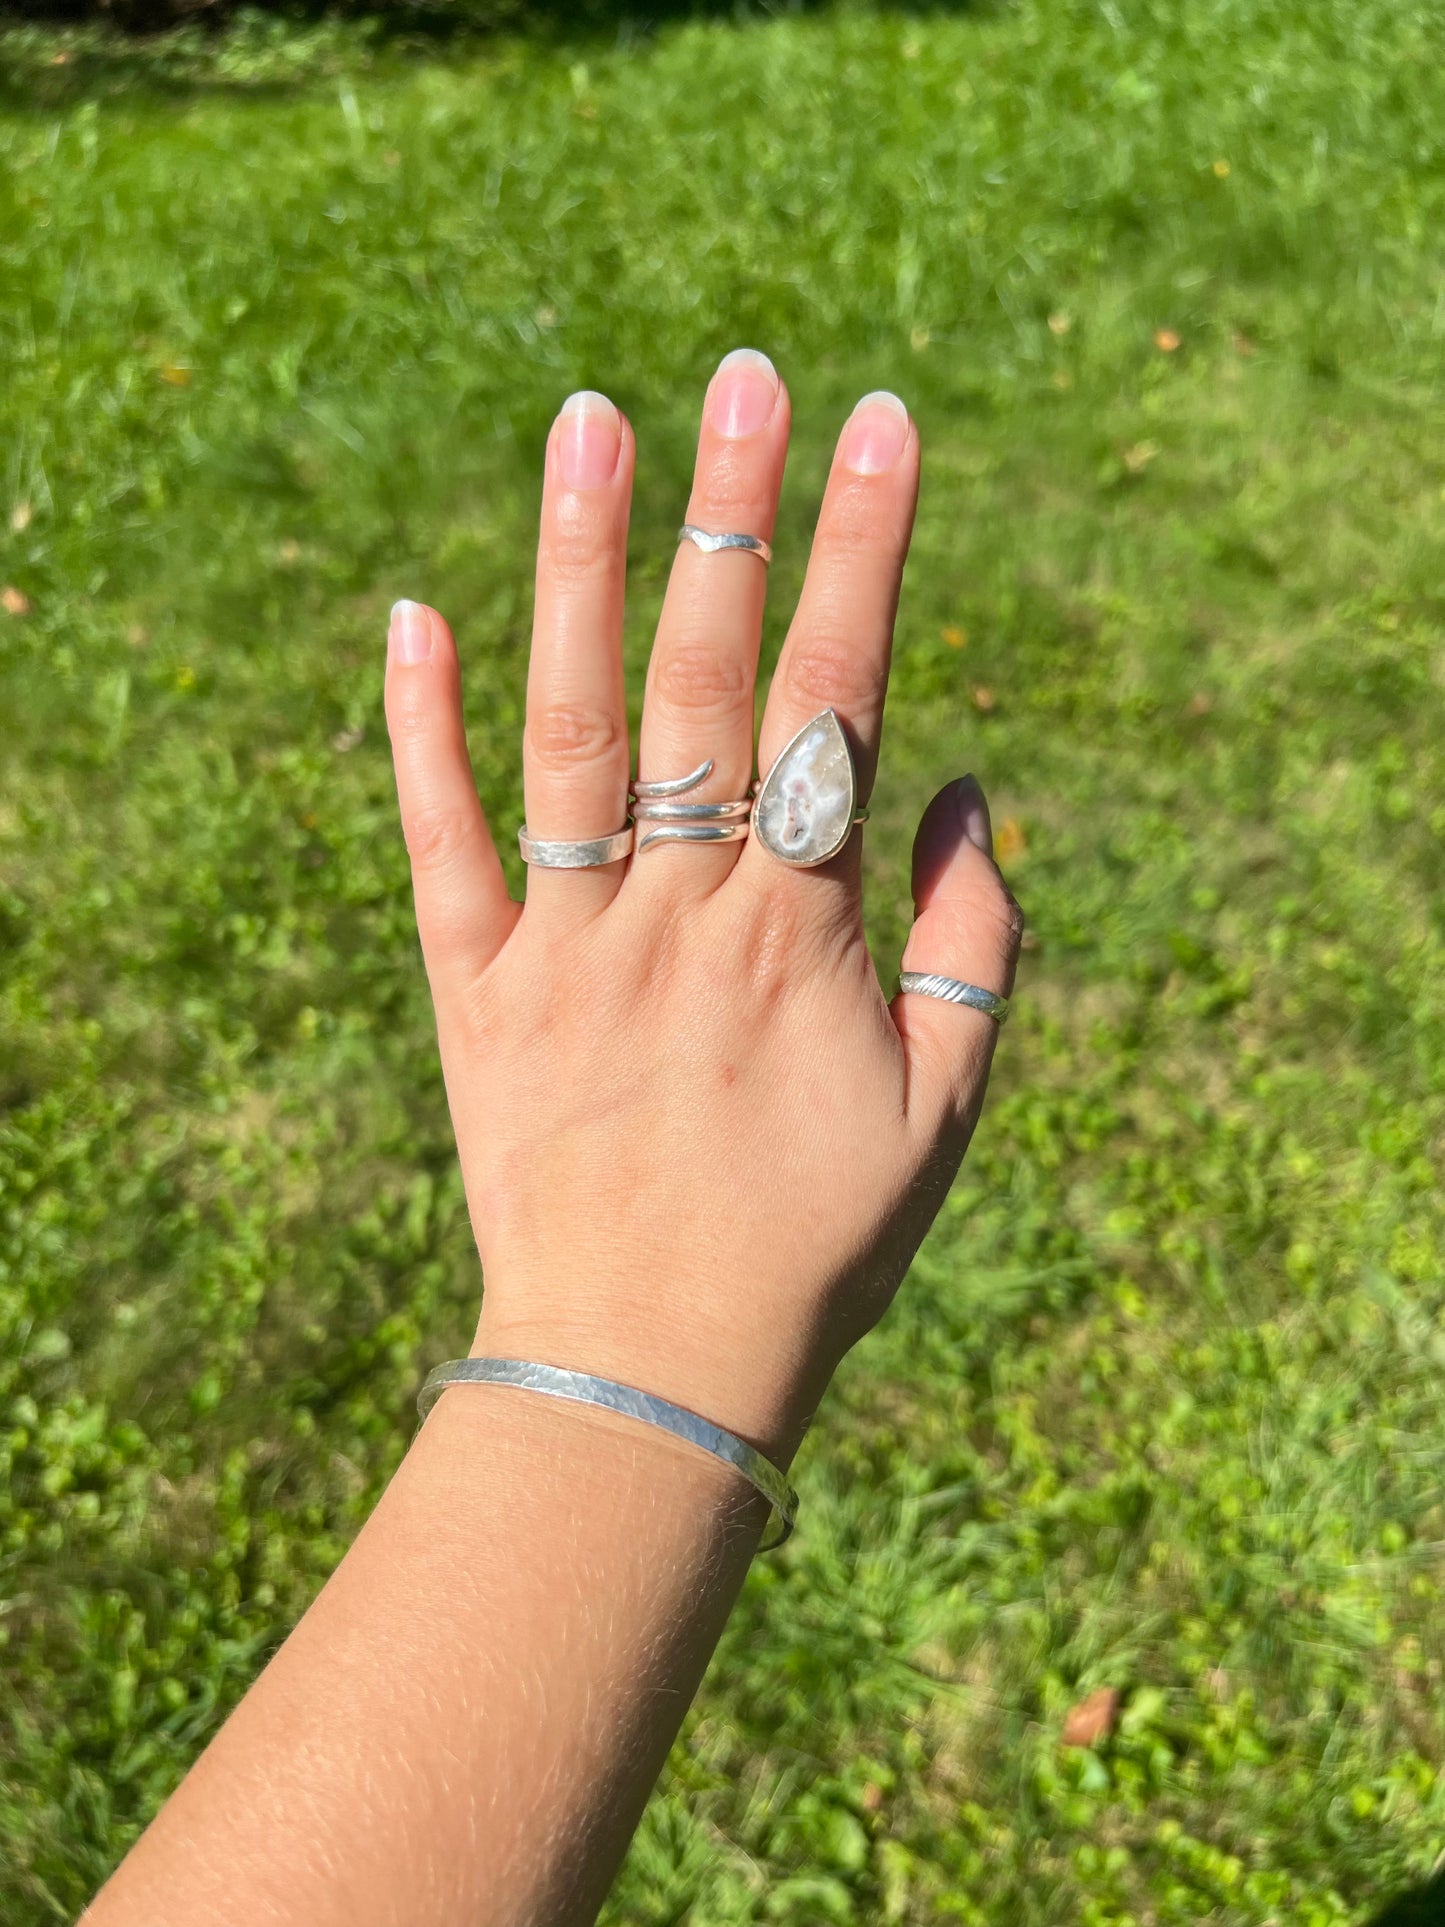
column 1420, row 1907
column 58, row 52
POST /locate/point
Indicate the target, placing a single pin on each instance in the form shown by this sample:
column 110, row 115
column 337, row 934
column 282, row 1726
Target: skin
column 700, row 1148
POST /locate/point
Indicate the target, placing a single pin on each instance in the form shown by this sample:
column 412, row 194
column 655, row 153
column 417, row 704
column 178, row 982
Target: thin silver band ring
column 712, row 544
column 584, row 853
column 922, row 984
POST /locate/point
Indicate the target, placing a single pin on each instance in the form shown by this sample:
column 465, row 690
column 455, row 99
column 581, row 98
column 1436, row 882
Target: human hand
column 699, row 1146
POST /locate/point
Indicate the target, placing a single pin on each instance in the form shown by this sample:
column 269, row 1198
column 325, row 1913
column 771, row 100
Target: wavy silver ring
column 585, row 853
column 711, row 544
column 688, row 822
column 922, row 984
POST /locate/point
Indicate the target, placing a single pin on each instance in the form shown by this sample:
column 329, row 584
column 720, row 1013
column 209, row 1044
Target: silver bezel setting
column 854, row 817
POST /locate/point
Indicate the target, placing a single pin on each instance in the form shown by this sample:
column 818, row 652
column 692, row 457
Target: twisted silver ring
column 711, row 544
column 921, row 984
column 688, row 822
column 586, row 853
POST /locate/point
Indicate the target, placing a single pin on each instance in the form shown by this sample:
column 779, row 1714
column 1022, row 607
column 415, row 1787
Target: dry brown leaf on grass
column 1093, row 1719
column 1166, row 341
column 13, row 602
column 955, row 637
column 983, row 699
column 1009, row 841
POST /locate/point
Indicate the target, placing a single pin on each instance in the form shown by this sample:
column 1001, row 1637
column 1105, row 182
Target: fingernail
column 742, row 394
column 408, row 638
column 876, row 435
column 589, row 439
column 972, row 806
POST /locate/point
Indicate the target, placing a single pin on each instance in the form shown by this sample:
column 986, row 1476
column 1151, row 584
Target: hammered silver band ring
column 714, row 544
column 582, row 853
column 922, row 983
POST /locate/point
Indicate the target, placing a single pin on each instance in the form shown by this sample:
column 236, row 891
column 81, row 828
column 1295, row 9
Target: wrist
column 758, row 1386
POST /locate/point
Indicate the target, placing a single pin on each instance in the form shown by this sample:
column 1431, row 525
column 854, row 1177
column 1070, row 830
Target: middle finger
column 699, row 702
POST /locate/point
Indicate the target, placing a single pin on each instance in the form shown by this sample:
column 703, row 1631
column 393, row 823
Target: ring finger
column 841, row 639
column 700, row 681
column 575, row 748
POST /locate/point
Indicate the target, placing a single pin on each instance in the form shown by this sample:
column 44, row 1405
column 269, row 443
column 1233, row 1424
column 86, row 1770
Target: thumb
column 967, row 926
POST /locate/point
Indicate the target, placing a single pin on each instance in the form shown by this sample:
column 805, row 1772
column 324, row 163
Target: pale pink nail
column 742, row 394
column 876, row 435
column 408, row 639
column 589, row 440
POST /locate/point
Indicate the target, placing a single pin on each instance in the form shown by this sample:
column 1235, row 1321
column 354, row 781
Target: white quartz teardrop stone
column 805, row 807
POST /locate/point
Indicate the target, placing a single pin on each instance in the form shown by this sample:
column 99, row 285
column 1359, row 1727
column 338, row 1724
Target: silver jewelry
column 711, row 544
column 687, row 822
column 921, row 984
column 807, row 803
column 583, row 1389
column 585, row 854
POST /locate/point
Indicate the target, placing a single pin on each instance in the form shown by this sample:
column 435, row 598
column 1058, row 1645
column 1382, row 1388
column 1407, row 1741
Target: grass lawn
column 283, row 319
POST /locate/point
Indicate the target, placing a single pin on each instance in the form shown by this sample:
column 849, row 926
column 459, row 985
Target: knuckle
column 990, row 910
column 783, row 926
column 732, row 489
column 410, row 722
column 691, row 675
column 579, row 545
column 854, row 526
column 437, row 835
column 565, row 734
column 828, row 668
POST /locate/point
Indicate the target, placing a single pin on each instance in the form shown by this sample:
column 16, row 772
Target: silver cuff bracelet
column 583, row 1389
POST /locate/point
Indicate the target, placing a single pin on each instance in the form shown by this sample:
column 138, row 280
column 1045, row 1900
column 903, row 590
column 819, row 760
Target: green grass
column 283, row 319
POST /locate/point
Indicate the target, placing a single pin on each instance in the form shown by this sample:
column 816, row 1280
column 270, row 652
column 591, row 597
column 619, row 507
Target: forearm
column 466, row 1725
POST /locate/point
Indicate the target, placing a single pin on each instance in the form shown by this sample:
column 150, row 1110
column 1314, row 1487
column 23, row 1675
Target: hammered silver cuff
column 553, row 1381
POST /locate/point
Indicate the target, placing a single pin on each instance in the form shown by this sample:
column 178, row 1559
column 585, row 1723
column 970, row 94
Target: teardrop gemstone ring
column 807, row 803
